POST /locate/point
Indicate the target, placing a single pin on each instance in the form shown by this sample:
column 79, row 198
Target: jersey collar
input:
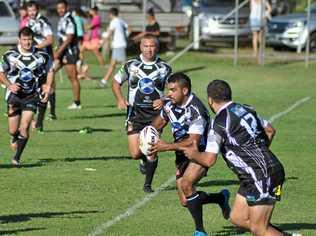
column 66, row 15
column 148, row 63
column 25, row 53
column 224, row 107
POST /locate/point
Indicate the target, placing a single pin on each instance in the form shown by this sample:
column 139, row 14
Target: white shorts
column 118, row 54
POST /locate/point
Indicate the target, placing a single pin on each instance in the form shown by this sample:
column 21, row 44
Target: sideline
column 131, row 210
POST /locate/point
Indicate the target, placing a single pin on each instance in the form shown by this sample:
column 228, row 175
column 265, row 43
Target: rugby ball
column 147, row 136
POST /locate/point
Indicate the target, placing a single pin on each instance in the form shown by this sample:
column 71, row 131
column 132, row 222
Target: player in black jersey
column 43, row 38
column 67, row 53
column 22, row 71
column 243, row 138
column 146, row 76
column 189, row 122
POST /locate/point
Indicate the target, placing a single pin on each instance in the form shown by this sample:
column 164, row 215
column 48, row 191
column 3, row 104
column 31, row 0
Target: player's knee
column 186, row 186
column 257, row 229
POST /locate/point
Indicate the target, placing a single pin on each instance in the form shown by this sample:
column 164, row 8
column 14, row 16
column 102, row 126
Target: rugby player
column 22, row 70
column 189, row 120
column 43, row 38
column 146, row 76
column 67, row 54
column 243, row 138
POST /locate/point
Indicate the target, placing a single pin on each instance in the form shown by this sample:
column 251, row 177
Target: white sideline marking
column 282, row 113
column 131, row 211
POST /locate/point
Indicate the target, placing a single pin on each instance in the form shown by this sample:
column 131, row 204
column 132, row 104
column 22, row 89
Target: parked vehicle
column 291, row 31
column 212, row 27
column 9, row 25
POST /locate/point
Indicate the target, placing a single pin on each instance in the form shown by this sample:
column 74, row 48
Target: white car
column 9, row 25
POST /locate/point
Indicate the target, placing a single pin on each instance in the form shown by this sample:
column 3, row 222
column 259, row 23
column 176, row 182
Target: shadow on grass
column 77, row 130
column 191, row 69
column 223, row 182
column 95, row 116
column 72, row 159
column 30, row 165
column 27, row 217
column 229, row 230
column 296, row 226
column 16, row 231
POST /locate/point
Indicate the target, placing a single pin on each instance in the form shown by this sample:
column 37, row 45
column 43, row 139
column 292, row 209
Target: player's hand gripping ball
column 147, row 136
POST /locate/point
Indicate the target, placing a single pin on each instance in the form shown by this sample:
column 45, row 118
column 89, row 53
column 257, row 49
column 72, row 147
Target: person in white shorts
column 117, row 30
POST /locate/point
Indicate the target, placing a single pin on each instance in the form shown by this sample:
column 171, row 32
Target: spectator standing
column 24, row 18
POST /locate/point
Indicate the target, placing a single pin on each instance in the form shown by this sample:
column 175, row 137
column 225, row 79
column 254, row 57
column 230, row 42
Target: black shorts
column 136, row 122
column 263, row 192
column 182, row 163
column 69, row 56
column 17, row 104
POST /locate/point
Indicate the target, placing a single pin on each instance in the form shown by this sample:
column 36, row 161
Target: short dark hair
column 62, row 2
column 219, row 90
column 182, row 79
column 153, row 37
column 151, row 12
column 32, row 3
column 114, row 11
column 26, row 31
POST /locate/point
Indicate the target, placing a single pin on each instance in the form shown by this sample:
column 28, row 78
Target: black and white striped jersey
column 67, row 25
column 146, row 83
column 238, row 133
column 191, row 118
column 42, row 29
column 27, row 69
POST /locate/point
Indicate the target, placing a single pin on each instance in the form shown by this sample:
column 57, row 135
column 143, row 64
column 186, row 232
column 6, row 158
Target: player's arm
column 118, row 80
column 206, row 159
column 64, row 45
column 270, row 132
column 14, row 88
column 162, row 146
column 49, row 40
column 159, row 122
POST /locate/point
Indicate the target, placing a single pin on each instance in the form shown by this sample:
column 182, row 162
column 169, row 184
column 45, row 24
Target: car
column 9, row 25
column 290, row 31
column 212, row 27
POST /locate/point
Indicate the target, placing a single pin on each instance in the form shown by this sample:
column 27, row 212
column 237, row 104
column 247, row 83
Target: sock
column 207, row 198
column 52, row 101
column 278, row 229
column 41, row 114
column 150, row 170
column 15, row 136
column 21, row 145
column 195, row 207
column 77, row 102
column 143, row 158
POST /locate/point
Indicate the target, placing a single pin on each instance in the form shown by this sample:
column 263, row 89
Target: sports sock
column 151, row 166
column 15, row 136
column 143, row 158
column 52, row 101
column 41, row 114
column 21, row 145
column 207, row 198
column 77, row 102
column 195, row 207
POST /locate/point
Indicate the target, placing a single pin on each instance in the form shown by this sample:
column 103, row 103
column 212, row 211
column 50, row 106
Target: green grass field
column 54, row 194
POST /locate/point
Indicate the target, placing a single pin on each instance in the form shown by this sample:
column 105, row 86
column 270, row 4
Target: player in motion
column 189, row 122
column 146, row 76
column 43, row 38
column 243, row 138
column 22, row 71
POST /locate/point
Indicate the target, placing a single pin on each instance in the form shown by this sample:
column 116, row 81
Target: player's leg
column 259, row 216
column 108, row 73
column 72, row 75
column 26, row 119
column 239, row 215
column 192, row 174
column 40, row 116
column 14, row 116
column 52, row 103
